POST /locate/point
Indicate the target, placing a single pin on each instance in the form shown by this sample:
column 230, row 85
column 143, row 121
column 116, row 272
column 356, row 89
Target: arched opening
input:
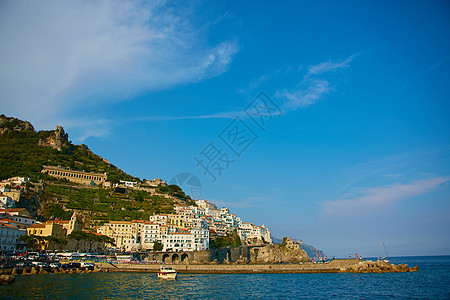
column 216, row 255
column 184, row 258
column 175, row 258
column 165, row 258
column 229, row 255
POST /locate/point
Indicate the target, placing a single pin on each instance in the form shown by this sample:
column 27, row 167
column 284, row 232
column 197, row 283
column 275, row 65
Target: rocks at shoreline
column 7, row 279
column 39, row 270
column 377, row 267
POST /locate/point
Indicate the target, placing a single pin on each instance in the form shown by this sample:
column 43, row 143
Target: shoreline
column 223, row 268
column 335, row 266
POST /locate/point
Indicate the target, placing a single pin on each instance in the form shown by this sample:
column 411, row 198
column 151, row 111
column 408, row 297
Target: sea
column 432, row 281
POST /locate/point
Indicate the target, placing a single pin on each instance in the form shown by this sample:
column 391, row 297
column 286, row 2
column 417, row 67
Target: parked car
column 88, row 265
column 41, row 264
column 71, row 266
column 33, row 255
column 55, row 264
column 24, row 264
column 6, row 265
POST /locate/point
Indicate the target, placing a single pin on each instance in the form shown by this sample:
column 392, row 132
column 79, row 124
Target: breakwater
column 43, row 270
column 335, row 266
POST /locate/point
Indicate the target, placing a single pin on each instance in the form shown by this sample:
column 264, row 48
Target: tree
column 157, row 246
column 172, row 190
column 107, row 240
column 57, row 242
column 90, row 238
column 230, row 240
column 31, row 241
column 36, row 242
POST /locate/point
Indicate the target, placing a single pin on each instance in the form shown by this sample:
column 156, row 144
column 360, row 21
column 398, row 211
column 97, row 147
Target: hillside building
column 6, row 201
column 9, row 236
column 80, row 177
column 46, row 229
column 70, row 225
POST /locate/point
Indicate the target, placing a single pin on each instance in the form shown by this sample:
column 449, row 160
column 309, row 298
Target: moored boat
column 167, row 273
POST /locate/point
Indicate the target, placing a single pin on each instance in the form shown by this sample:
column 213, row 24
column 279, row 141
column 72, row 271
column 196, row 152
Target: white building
column 14, row 181
column 205, row 204
column 162, row 219
column 130, row 184
column 6, row 201
column 186, row 240
column 150, row 234
column 19, row 215
column 251, row 231
column 9, row 236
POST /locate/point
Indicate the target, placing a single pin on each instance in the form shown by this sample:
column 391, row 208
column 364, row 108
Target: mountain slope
column 23, row 152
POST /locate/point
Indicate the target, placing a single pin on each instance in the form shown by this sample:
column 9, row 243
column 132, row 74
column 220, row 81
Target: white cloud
column 380, row 197
column 330, row 66
column 314, row 85
column 307, row 96
column 56, row 54
column 83, row 128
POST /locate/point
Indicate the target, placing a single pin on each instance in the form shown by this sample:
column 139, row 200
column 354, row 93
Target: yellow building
column 125, row 234
column 179, row 222
column 46, row 229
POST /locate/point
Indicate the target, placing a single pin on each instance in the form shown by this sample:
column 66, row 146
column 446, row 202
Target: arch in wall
column 175, row 258
column 165, row 258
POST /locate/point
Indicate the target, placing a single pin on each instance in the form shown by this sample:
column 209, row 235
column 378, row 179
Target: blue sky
column 358, row 151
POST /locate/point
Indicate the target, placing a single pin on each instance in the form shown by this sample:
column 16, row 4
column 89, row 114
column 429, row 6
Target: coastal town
column 80, row 213
column 190, row 228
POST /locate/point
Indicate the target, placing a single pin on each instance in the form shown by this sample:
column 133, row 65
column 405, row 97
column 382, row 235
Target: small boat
column 167, row 273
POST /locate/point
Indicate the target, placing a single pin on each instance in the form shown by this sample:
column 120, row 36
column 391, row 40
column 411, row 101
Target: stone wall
column 220, row 256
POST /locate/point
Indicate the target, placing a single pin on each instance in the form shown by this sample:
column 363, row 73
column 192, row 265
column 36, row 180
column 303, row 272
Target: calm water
column 431, row 282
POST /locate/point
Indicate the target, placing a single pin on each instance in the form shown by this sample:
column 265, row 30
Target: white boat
column 167, row 273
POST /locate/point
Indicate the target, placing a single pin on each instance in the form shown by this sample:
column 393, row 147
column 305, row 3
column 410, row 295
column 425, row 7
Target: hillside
column 23, row 152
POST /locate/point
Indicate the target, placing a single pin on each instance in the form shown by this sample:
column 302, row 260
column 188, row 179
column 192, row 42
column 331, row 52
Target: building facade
column 9, row 236
column 85, row 178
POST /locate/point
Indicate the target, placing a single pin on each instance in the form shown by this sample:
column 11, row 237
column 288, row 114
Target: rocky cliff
column 9, row 124
column 286, row 252
column 57, row 140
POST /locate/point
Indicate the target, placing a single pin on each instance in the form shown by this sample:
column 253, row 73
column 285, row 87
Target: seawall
column 225, row 268
column 335, row 266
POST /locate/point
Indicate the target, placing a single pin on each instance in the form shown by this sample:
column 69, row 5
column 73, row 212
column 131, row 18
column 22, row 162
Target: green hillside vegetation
column 21, row 154
column 104, row 204
column 230, row 240
column 24, row 152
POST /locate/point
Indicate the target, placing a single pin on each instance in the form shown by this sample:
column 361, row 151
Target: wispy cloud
column 86, row 128
column 314, row 85
column 219, row 115
column 57, row 54
column 310, row 94
column 330, row 66
column 392, row 167
column 101, row 128
column 379, row 197
column 414, row 79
